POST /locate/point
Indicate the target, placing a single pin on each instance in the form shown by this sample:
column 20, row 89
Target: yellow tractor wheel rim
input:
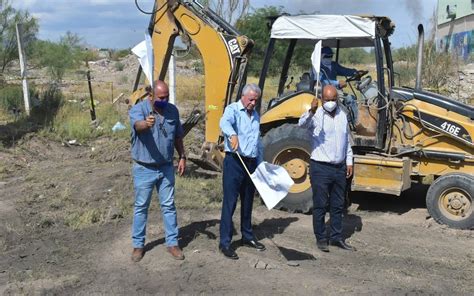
column 296, row 162
column 455, row 203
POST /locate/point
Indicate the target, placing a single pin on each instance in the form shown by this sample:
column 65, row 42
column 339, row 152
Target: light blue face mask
column 326, row 62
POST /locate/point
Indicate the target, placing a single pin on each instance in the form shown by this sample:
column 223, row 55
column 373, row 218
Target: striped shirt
column 330, row 136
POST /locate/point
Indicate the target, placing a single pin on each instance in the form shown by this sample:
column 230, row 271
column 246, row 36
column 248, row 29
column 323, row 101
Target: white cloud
column 114, row 22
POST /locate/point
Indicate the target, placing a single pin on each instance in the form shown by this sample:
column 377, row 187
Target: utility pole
column 21, row 53
column 172, row 78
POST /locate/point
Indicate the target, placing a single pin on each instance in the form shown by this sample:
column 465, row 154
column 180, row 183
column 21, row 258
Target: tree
column 9, row 17
column 256, row 26
column 352, row 56
column 230, row 10
column 59, row 57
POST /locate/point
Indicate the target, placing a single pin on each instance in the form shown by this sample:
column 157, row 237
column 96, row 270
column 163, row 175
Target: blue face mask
column 160, row 104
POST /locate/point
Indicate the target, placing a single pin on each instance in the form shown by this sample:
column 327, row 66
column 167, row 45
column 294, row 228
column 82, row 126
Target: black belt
column 336, row 165
column 244, row 158
column 152, row 165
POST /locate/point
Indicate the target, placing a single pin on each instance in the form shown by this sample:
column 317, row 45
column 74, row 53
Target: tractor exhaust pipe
column 419, row 56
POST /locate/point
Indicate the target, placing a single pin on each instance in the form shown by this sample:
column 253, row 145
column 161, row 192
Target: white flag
column 272, row 183
column 316, row 59
column 144, row 52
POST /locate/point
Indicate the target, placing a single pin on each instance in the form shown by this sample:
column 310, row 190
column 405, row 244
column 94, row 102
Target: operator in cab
column 329, row 72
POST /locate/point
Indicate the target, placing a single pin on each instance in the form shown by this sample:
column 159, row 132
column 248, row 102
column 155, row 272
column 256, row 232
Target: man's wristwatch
column 182, row 157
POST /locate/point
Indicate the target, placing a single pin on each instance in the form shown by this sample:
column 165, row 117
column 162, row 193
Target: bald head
column 160, row 95
column 161, row 89
column 329, row 93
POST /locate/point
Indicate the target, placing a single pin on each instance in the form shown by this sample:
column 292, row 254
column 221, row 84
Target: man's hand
column 150, row 121
column 314, row 105
column 349, row 171
column 234, row 142
column 342, row 83
column 181, row 166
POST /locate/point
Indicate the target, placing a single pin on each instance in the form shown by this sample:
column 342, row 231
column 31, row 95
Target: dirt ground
column 46, row 250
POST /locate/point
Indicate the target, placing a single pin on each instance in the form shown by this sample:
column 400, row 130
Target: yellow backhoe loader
column 403, row 135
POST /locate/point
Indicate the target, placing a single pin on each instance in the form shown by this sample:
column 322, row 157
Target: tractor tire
column 450, row 200
column 289, row 146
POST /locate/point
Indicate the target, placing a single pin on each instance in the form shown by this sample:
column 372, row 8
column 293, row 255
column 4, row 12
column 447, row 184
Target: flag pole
column 245, row 167
column 317, row 87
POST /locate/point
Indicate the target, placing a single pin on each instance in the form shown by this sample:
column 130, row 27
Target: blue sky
column 119, row 24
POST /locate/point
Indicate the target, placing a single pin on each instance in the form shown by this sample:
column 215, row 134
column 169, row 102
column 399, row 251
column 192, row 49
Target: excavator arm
column 224, row 54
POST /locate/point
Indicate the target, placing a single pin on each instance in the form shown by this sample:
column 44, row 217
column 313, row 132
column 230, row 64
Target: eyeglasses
column 162, row 129
column 160, row 125
column 162, row 98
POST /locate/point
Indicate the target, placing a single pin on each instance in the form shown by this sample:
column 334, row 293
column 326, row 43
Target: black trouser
column 328, row 182
column 237, row 182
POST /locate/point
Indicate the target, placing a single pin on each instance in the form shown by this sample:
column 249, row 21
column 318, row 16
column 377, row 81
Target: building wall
column 461, row 8
column 456, row 33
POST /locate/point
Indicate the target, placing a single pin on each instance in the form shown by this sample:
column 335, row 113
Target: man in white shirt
column 331, row 165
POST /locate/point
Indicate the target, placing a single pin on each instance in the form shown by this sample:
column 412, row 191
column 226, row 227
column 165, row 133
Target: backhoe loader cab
column 402, row 135
column 288, row 145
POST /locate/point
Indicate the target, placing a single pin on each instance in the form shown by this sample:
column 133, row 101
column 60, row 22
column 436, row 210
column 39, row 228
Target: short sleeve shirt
column 155, row 145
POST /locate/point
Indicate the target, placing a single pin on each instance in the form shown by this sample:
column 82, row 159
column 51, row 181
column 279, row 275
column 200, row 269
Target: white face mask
column 326, row 61
column 330, row 106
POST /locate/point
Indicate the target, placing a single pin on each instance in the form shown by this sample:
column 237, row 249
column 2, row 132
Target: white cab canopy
column 350, row 30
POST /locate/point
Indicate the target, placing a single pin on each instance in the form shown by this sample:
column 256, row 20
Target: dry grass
column 190, row 88
column 73, row 121
column 198, row 192
column 84, row 219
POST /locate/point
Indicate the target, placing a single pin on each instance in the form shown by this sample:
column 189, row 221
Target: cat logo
column 233, row 46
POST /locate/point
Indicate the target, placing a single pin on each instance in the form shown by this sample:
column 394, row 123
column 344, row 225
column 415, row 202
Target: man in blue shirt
column 156, row 130
column 330, row 167
column 329, row 72
column 240, row 125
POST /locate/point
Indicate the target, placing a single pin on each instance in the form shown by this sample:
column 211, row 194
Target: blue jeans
column 145, row 178
column 329, row 187
column 236, row 182
column 351, row 103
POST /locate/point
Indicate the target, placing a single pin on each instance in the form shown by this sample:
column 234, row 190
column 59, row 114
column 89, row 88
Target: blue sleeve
column 227, row 122
column 325, row 80
column 343, row 71
column 136, row 114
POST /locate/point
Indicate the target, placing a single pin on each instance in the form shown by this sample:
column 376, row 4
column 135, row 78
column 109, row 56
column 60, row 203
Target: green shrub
column 123, row 79
column 49, row 101
column 437, row 66
column 198, row 66
column 119, row 54
column 73, row 121
column 11, row 97
column 119, row 66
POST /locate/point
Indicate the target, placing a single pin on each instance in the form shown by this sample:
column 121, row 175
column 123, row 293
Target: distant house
column 455, row 27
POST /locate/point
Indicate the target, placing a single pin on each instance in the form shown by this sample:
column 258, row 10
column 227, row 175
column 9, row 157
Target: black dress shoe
column 253, row 244
column 343, row 245
column 229, row 253
column 322, row 245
